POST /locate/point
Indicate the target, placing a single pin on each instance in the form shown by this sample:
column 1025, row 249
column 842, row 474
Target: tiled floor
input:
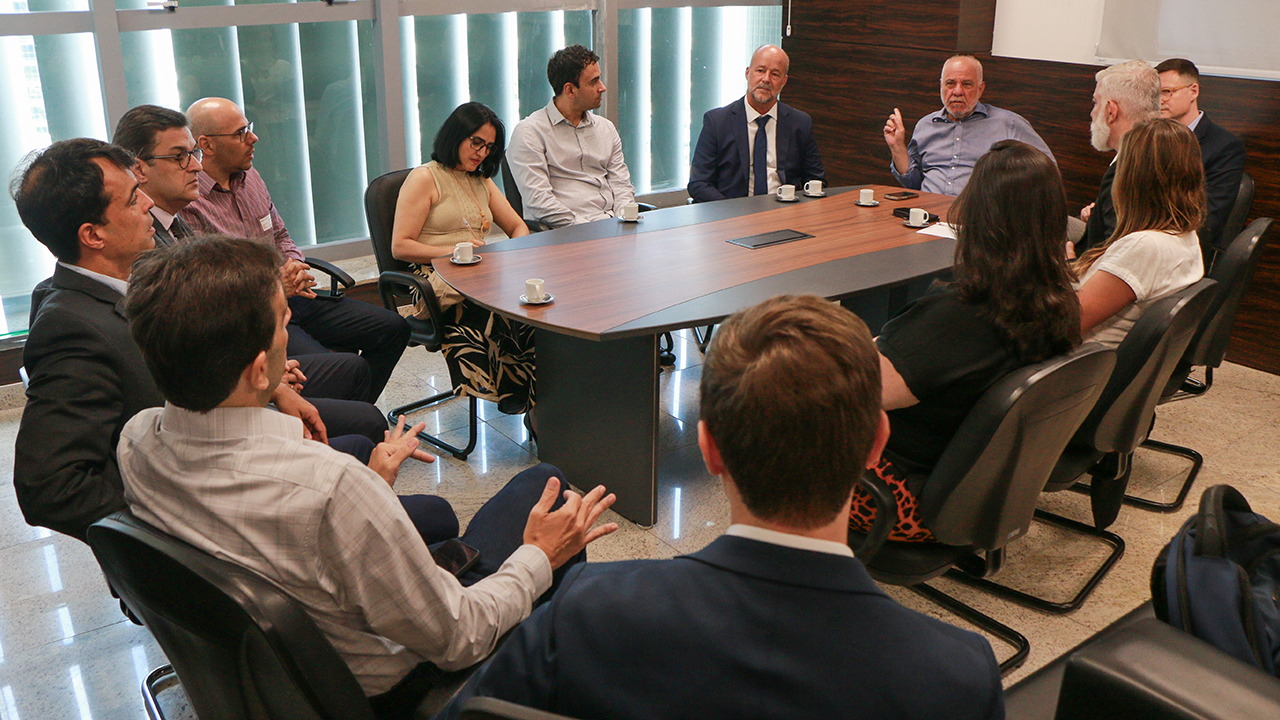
column 66, row 652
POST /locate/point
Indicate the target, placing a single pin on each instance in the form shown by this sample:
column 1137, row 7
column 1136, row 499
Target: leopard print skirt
column 863, row 513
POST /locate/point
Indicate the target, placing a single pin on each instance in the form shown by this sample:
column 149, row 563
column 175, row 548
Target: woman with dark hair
column 452, row 200
column 1154, row 251
column 1011, row 304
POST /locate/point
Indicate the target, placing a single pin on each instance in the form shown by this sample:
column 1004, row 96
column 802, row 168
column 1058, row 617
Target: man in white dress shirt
column 566, row 160
column 216, row 469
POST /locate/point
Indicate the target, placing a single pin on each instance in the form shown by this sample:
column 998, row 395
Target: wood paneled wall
column 853, row 63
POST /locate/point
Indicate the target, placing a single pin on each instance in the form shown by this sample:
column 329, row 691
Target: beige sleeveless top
column 461, row 213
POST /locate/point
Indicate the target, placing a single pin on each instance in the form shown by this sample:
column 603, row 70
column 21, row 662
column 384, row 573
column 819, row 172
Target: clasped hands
column 296, row 278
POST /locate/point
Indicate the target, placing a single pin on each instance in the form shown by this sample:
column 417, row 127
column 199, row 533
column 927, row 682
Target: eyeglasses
column 1168, row 92
column 242, row 133
column 478, row 143
column 183, row 157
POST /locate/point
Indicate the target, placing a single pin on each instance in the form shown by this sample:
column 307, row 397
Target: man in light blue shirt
column 945, row 145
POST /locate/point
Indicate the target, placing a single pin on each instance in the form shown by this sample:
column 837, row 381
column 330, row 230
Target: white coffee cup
column 534, row 290
column 462, row 252
column 813, row 187
column 919, row 216
column 631, row 212
column 866, row 196
column 787, row 192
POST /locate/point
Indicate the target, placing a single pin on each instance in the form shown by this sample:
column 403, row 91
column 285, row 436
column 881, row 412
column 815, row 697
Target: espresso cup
column 919, row 216
column 534, row 290
column 631, row 212
column 813, row 187
column 462, row 252
column 866, row 196
column 787, row 192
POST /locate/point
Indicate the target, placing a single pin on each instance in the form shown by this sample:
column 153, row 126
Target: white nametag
column 265, row 222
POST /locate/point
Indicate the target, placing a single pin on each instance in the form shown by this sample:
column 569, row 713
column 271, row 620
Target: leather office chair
column 1233, row 272
column 487, row 708
column 339, row 280
column 982, row 493
column 1103, row 446
column 241, row 647
column 1235, row 219
column 396, row 282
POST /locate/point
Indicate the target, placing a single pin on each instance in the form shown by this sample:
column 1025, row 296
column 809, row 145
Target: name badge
column 265, row 222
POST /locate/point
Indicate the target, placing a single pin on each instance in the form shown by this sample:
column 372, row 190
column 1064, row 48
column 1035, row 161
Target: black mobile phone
column 455, row 556
column 901, row 195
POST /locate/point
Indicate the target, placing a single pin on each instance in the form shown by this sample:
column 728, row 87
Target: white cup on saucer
column 534, row 290
column 813, row 187
column 631, row 212
column 787, row 192
column 463, row 252
column 918, row 217
column 866, row 196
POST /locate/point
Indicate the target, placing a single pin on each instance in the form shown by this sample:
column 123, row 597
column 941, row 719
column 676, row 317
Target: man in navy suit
column 776, row 618
column 1222, row 152
column 734, row 159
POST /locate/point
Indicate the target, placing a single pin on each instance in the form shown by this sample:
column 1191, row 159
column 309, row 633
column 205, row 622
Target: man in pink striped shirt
column 234, row 201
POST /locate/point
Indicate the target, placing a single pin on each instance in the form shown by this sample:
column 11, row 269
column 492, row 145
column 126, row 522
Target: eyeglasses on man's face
column 242, row 133
column 182, row 157
column 478, row 143
column 1167, row 93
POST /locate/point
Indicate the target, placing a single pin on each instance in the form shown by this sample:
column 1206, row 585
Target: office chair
column 487, row 708
column 1235, row 219
column 396, row 282
column 1233, row 272
column 1103, row 445
column 241, row 647
column 982, row 493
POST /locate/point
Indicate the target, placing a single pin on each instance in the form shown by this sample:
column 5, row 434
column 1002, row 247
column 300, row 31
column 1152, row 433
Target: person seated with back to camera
column 452, row 200
column 1154, row 251
column 1011, row 304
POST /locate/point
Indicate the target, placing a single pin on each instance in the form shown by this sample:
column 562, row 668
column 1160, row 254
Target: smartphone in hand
column 455, row 556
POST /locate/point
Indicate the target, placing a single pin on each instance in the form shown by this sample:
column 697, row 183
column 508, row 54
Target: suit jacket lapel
column 738, row 117
column 162, row 236
column 782, row 142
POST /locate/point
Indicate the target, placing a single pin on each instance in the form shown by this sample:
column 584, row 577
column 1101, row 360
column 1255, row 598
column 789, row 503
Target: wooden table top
column 613, row 279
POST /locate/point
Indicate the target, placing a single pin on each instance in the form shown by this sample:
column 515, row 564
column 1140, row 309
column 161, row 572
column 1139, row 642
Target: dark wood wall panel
column 850, row 77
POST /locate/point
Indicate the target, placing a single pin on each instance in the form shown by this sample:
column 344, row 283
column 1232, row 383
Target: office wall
column 853, row 63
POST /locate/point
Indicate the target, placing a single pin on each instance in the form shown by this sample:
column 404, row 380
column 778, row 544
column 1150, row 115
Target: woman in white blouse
column 1159, row 198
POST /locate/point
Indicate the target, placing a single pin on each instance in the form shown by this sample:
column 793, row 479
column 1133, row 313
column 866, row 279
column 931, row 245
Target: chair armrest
column 536, row 225
column 646, row 207
column 336, row 274
column 389, row 280
column 886, row 515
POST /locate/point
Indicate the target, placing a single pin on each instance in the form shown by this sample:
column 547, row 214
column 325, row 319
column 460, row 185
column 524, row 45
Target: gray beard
column 1100, row 134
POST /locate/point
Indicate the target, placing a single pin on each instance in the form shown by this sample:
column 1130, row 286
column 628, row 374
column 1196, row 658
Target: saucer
column 916, row 227
column 780, row 199
column 638, row 219
column 821, row 194
column 548, row 299
column 474, row 259
column 873, row 203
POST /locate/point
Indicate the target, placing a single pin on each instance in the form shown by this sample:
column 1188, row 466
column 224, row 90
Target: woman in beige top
column 453, row 199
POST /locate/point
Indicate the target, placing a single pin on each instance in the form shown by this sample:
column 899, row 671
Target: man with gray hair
column 1125, row 94
column 945, row 144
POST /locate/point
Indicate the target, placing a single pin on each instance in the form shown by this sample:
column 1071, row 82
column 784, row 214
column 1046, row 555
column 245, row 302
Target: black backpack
column 1219, row 579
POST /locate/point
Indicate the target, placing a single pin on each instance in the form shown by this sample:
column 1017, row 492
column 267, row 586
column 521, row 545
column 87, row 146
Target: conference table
column 618, row 286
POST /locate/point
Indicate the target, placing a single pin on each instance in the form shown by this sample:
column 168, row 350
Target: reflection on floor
column 66, row 652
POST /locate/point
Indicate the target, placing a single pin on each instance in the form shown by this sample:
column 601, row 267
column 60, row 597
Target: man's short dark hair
column 60, row 188
column 137, row 129
column 566, row 66
column 1185, row 68
column 791, row 396
column 201, row 312
column 461, row 124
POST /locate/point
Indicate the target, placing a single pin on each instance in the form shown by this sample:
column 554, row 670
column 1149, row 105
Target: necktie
column 760, row 156
column 179, row 229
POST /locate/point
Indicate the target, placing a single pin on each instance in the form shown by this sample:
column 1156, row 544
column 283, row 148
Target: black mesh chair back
column 240, row 646
column 1233, row 272
column 510, row 189
column 984, row 488
column 1239, row 210
column 1145, row 360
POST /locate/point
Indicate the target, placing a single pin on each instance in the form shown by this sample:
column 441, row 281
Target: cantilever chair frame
column 982, row 493
column 396, row 282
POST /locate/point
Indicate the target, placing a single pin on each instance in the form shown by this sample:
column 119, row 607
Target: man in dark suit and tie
column 734, row 158
column 776, row 618
column 1222, row 152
